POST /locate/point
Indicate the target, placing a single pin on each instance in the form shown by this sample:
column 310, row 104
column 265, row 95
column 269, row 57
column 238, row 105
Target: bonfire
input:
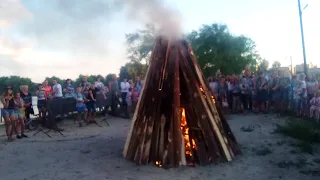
column 177, row 121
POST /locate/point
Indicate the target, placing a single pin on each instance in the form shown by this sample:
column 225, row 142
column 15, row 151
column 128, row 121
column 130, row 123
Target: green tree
column 276, row 64
column 15, row 82
column 108, row 78
column 216, row 48
column 263, row 64
column 124, row 73
column 140, row 44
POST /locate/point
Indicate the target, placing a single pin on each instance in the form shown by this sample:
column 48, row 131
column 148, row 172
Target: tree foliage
column 214, row 46
column 140, row 44
column 132, row 69
column 276, row 64
column 263, row 64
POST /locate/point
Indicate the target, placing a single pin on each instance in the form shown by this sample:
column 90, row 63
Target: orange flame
column 185, row 133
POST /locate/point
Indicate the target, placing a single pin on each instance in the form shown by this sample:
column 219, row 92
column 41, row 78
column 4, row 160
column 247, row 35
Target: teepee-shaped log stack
column 176, row 121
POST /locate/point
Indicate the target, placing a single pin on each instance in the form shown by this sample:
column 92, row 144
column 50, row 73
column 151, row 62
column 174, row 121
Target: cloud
column 62, row 36
column 11, row 12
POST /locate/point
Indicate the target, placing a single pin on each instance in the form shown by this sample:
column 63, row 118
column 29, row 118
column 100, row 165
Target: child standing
column 41, row 94
column 80, row 105
column 134, row 98
column 129, row 101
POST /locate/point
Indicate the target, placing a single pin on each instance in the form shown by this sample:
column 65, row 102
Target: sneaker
column 24, row 136
column 19, row 137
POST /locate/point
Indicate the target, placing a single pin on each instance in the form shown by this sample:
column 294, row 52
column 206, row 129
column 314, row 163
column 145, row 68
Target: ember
column 176, row 121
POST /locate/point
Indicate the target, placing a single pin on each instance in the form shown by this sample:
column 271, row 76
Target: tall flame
column 185, row 133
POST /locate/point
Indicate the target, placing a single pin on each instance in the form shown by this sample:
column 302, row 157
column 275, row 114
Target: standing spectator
column 284, row 86
column 134, row 98
column 138, row 84
column 222, row 92
column 57, row 90
column 213, row 85
column 254, row 95
column 98, row 84
column 245, row 93
column 304, row 95
column 131, row 84
column 124, row 88
column 114, row 89
column 300, row 96
column 235, row 93
column 20, row 126
column 315, row 106
column 9, row 116
column 85, row 81
column 69, row 89
column 27, row 100
column 274, row 91
column 293, row 85
column 248, row 77
column 47, row 89
column 80, row 105
column 41, row 94
column 101, row 93
column 312, row 87
column 129, row 102
column 262, row 90
column 85, row 88
column 91, row 104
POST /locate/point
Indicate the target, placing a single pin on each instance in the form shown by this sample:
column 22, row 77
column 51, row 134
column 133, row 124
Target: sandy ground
column 93, row 152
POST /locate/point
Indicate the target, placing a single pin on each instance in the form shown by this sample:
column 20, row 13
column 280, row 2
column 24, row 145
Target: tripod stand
column 51, row 125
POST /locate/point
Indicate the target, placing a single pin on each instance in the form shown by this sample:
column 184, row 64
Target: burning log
column 177, row 121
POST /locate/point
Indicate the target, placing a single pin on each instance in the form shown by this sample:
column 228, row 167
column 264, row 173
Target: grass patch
column 304, row 147
column 307, row 131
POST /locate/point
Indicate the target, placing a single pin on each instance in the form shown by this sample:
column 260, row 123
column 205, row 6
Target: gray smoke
column 81, row 26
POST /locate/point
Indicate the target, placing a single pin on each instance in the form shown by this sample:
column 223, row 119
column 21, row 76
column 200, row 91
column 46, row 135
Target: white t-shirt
column 58, row 90
column 124, row 86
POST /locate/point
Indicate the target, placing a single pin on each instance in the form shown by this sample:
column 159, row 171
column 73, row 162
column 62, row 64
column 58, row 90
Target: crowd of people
column 265, row 92
column 18, row 104
column 261, row 92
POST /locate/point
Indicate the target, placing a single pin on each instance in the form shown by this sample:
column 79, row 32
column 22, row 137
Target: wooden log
column 201, row 118
column 209, row 107
column 176, row 109
column 208, row 113
column 140, row 101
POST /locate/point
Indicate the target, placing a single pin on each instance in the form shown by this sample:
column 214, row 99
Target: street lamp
column 302, row 38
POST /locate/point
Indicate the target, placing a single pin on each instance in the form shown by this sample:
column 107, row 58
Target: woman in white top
column 124, row 88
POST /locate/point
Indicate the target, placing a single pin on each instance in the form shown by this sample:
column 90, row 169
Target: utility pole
column 302, row 39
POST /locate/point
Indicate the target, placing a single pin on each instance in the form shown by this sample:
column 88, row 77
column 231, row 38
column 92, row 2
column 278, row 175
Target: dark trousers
column 114, row 104
column 124, row 105
column 246, row 101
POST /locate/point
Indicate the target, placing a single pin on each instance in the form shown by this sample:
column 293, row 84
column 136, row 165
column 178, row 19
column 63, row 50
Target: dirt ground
column 93, row 152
